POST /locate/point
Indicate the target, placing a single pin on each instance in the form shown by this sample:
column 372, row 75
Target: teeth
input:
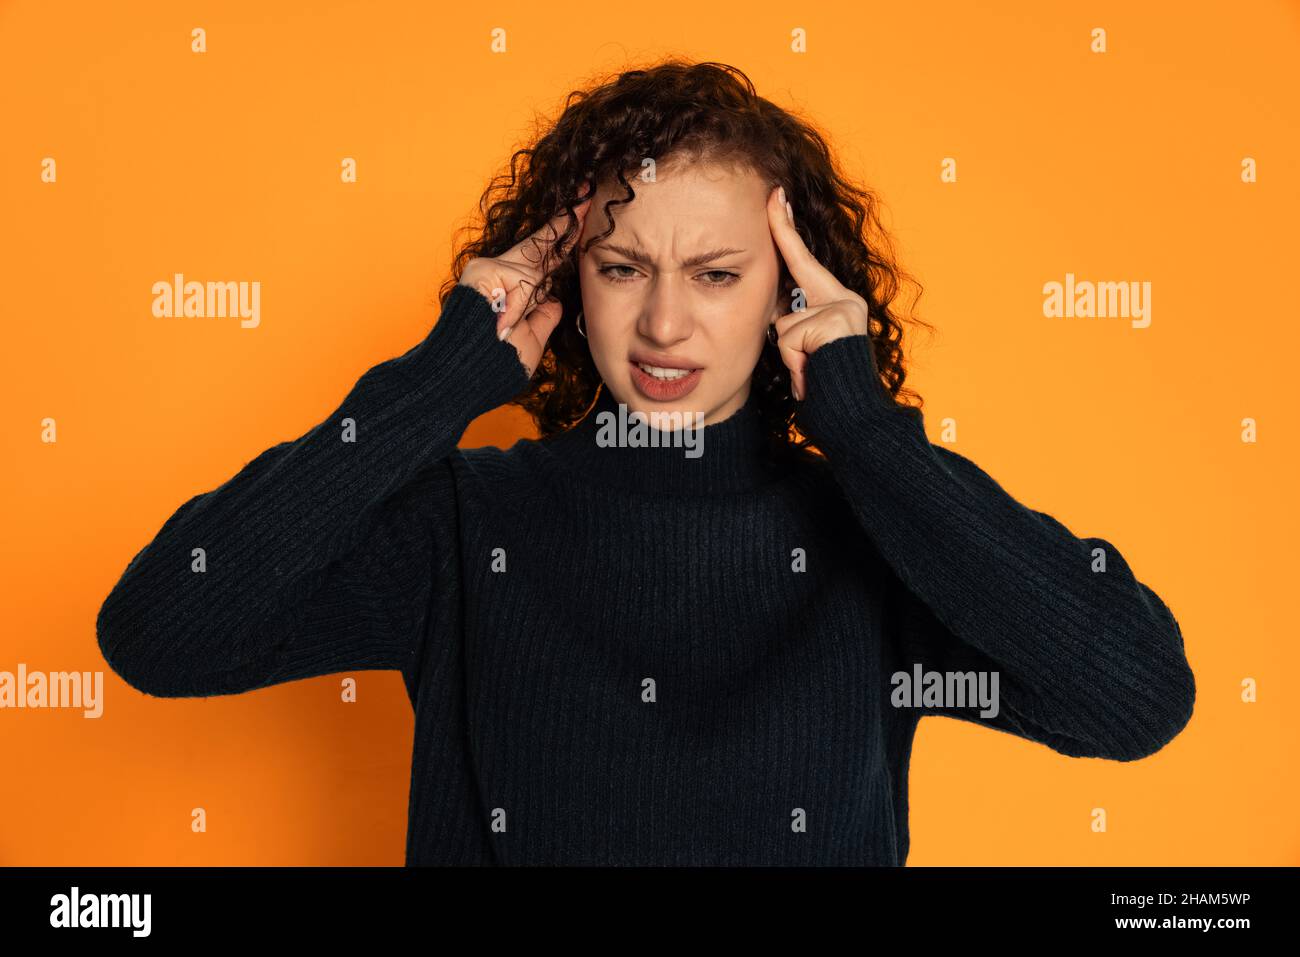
column 661, row 373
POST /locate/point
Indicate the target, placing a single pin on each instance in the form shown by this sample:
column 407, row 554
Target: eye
column 725, row 278
column 720, row 277
column 607, row 272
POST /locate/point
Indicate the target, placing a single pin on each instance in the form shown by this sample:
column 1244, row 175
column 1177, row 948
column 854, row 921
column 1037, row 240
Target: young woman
column 708, row 644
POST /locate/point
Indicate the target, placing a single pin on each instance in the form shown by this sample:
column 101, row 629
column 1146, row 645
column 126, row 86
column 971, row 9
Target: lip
column 661, row 390
column 663, row 360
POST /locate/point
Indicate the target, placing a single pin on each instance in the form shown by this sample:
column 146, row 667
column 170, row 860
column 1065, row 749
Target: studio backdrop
column 1098, row 200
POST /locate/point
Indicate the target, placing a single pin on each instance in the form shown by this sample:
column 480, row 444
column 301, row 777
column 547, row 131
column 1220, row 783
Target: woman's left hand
column 826, row 311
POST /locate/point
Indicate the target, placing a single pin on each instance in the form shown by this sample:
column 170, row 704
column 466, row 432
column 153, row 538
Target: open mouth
column 663, row 384
column 667, row 375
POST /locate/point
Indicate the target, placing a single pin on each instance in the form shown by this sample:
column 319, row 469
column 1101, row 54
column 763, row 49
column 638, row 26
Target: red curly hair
column 706, row 112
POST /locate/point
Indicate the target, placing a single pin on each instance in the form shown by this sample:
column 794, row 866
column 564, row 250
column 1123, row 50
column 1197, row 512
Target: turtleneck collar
column 726, row 456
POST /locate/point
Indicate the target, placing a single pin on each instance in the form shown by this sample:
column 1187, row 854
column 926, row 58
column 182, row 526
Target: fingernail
column 780, row 195
column 504, row 331
column 789, row 211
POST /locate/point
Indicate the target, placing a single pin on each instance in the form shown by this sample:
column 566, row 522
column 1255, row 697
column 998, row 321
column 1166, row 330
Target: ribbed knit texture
column 613, row 653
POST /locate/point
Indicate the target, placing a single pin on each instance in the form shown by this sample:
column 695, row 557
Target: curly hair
column 680, row 110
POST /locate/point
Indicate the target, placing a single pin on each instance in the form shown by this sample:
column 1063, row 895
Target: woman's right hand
column 510, row 282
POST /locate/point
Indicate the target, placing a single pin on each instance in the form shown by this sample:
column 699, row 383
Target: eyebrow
column 638, row 255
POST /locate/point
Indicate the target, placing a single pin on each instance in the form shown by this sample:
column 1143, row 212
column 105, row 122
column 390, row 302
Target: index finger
column 818, row 283
column 530, row 252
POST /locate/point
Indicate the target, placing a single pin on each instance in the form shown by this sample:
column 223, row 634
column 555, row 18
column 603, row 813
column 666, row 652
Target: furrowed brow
column 638, row 255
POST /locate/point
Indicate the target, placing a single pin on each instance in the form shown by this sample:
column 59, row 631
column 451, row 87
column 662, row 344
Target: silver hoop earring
column 578, row 322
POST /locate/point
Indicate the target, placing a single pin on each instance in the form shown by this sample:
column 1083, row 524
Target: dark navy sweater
column 626, row 655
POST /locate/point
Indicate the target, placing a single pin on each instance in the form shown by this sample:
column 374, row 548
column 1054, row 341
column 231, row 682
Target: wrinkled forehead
column 682, row 202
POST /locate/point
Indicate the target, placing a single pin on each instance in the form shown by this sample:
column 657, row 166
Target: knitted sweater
column 623, row 655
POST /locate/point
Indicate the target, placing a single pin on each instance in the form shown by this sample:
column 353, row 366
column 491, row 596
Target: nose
column 665, row 315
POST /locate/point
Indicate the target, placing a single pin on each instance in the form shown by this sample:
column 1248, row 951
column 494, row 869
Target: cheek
column 740, row 336
column 747, row 321
column 608, row 341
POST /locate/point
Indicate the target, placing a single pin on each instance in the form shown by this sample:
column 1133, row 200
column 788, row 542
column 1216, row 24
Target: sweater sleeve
column 323, row 553
column 1089, row 660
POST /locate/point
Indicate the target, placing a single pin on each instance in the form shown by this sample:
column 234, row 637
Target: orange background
column 225, row 165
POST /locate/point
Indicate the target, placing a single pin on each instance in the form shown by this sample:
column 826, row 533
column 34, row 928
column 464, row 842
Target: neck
column 615, row 447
